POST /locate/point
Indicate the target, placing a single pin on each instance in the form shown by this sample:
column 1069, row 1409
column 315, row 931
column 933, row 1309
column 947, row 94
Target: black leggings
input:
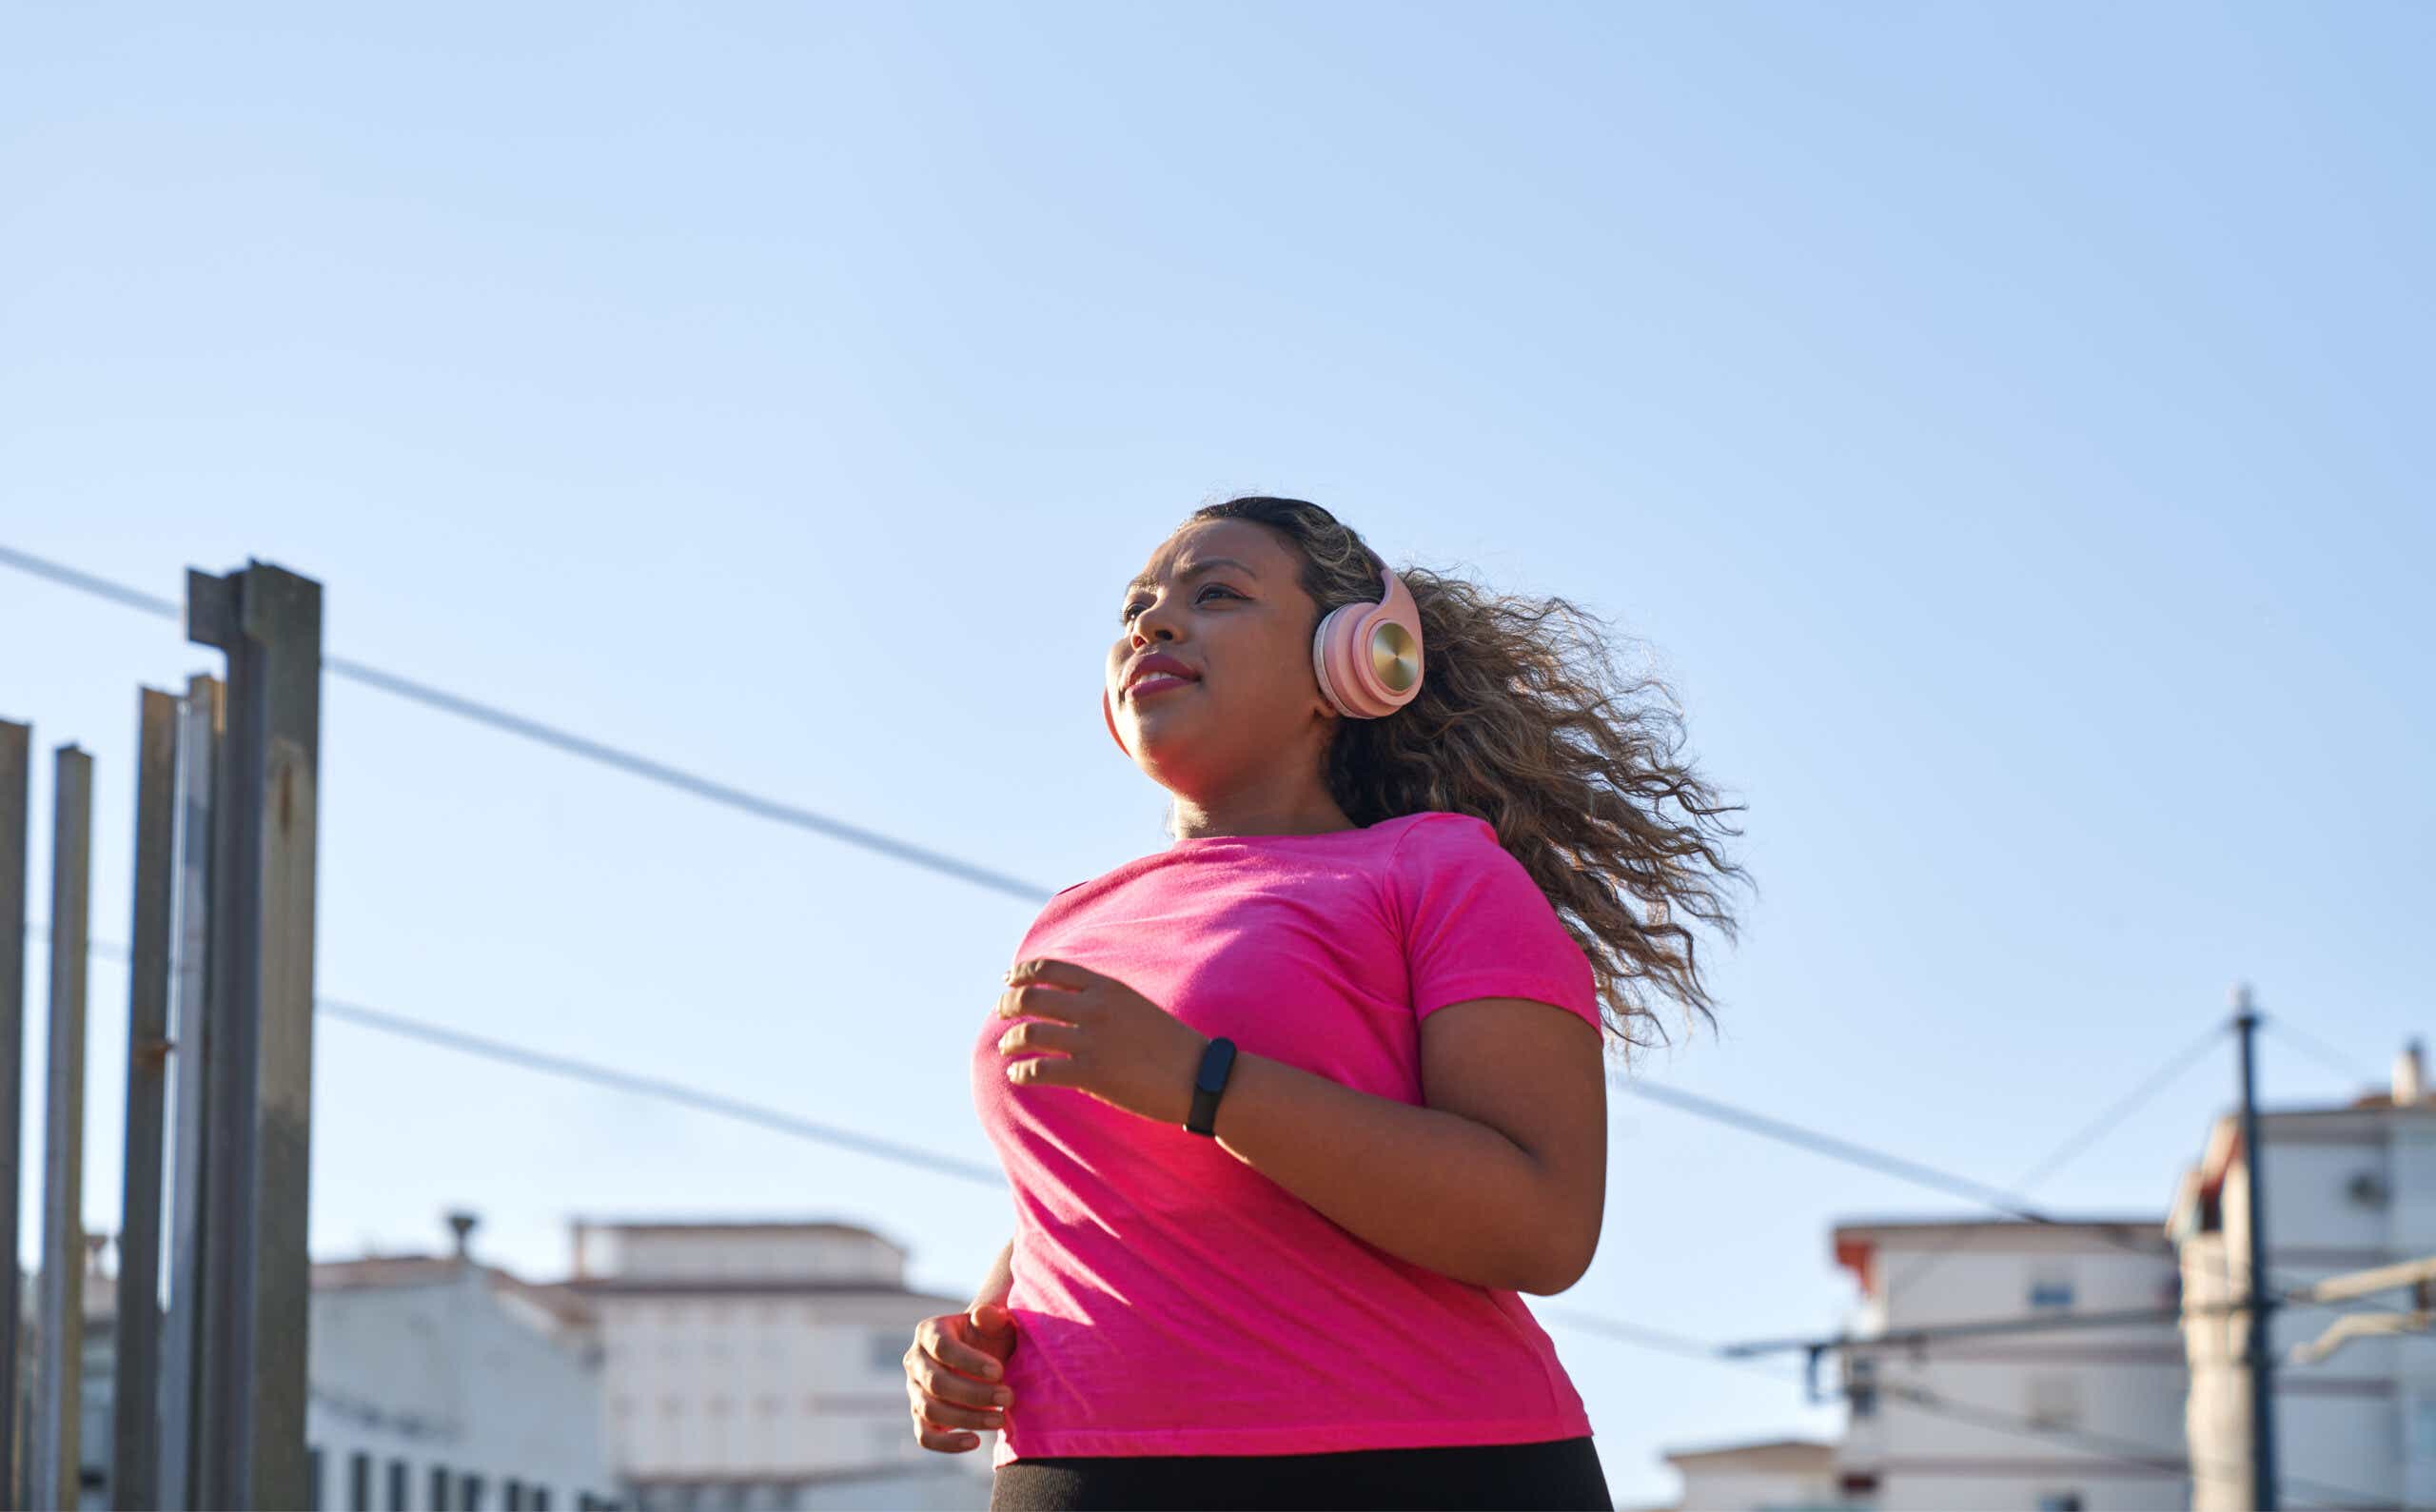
column 1561, row 1475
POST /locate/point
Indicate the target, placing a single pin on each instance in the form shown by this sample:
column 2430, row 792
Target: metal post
column 17, row 765
column 258, row 1291
column 226, row 1217
column 2258, row 1356
column 134, row 1423
column 58, row 1471
column 198, row 751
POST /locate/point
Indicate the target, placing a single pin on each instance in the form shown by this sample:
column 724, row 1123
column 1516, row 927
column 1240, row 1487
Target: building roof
column 684, row 1286
column 2079, row 1222
column 1854, row 1243
column 727, row 1226
column 2362, row 1119
column 375, row 1272
column 1785, row 1454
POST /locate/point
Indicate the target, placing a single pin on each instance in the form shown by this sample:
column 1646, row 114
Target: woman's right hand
column 956, row 1374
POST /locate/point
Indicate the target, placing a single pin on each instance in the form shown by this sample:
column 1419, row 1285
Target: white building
column 2347, row 1189
column 444, row 1382
column 436, row 1383
column 761, row 1365
column 2080, row 1420
column 1774, row 1475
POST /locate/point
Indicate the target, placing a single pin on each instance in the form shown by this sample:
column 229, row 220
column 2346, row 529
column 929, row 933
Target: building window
column 2055, row 1402
column 312, row 1480
column 2059, row 1502
column 359, row 1483
column 397, row 1479
column 2050, row 1291
column 1861, row 1385
column 888, row 1352
column 469, row 1493
column 511, row 1492
column 440, row 1502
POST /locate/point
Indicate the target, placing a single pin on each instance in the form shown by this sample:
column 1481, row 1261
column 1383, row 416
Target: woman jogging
column 1294, row 1109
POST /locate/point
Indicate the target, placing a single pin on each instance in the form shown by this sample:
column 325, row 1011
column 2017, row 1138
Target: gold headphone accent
column 1394, row 657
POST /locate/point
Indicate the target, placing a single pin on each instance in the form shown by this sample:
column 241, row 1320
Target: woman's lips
column 1158, row 682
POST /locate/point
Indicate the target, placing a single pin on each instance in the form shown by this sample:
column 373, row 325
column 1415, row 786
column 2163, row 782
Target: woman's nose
column 1152, row 625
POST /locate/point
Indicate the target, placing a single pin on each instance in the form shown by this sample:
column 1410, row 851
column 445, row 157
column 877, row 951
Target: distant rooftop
column 728, row 1225
column 1791, row 1455
column 2061, row 1222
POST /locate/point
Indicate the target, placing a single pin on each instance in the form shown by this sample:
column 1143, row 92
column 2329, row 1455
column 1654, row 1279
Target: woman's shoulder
column 1436, row 831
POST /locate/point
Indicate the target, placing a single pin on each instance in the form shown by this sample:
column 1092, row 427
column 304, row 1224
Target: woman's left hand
column 1101, row 1037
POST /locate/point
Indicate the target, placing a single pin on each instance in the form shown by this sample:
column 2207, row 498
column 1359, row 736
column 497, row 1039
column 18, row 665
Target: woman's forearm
column 1001, row 1278
column 1431, row 1188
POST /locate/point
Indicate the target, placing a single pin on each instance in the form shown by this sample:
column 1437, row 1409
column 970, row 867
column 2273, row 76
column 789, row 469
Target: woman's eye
column 1138, row 605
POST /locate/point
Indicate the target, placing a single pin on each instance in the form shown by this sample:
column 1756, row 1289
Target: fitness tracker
column 1215, row 1063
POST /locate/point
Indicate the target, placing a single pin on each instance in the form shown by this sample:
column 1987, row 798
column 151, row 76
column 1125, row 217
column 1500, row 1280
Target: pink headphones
column 1367, row 656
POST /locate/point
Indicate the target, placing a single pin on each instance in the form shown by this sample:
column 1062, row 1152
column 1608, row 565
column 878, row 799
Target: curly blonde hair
column 1523, row 720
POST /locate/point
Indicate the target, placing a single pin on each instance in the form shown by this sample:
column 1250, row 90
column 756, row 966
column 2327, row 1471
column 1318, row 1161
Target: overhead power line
column 1663, row 1341
column 694, row 1097
column 2103, row 1446
column 2315, row 1049
column 1739, row 1357
column 1704, row 1106
column 569, row 1067
column 771, row 1119
column 1843, row 1149
column 2081, row 1139
column 775, row 809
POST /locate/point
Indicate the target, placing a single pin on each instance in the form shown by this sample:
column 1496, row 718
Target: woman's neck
column 1303, row 811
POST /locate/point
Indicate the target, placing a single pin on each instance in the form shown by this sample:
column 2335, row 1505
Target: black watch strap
column 1216, row 1062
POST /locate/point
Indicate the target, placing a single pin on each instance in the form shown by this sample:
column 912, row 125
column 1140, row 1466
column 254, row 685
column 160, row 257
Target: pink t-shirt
column 1170, row 1299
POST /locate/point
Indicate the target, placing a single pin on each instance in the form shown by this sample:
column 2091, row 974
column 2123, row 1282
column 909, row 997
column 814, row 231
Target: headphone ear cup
column 1325, row 651
column 1108, row 712
column 1348, row 661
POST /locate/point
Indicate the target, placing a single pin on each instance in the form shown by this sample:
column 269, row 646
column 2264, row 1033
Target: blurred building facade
column 761, row 1365
column 2081, row 1419
column 1771, row 1474
column 437, row 1381
column 696, row 1366
column 2348, row 1188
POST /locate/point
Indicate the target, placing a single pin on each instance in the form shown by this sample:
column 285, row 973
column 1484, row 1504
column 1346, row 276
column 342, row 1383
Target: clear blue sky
column 2007, row 425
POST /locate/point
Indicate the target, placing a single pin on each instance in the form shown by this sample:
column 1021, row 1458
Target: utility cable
column 779, row 811
column 571, row 1069
column 2004, row 1203
column 2106, row 1446
column 1704, row 1106
column 2315, row 1049
column 741, row 1111
column 2081, row 1139
column 1834, row 1149
column 774, row 810
column 788, row 1124
column 1662, row 1341
column 774, row 1121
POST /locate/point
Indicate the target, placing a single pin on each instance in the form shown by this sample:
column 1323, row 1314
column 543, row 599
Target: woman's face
column 1221, row 598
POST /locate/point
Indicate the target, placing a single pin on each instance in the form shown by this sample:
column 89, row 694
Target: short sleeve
column 1475, row 924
